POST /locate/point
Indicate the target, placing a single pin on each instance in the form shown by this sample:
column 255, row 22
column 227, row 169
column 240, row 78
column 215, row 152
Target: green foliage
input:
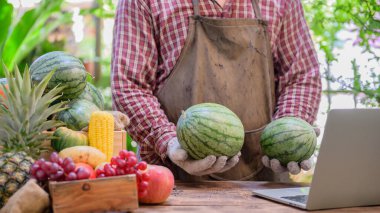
column 101, row 9
column 327, row 18
column 19, row 37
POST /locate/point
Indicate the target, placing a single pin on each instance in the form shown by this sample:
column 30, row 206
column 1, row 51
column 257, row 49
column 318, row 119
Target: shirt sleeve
column 297, row 74
column 133, row 78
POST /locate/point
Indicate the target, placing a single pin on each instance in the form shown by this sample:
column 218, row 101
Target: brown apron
column 226, row 61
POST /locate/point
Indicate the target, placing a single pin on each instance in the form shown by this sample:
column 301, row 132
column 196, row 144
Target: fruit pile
column 58, row 169
column 126, row 163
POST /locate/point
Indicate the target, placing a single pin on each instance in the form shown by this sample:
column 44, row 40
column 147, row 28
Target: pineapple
column 24, row 114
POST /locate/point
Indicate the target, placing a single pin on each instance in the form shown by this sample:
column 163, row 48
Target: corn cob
column 101, row 132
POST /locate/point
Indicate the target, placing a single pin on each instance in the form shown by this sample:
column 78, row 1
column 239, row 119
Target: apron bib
column 229, row 62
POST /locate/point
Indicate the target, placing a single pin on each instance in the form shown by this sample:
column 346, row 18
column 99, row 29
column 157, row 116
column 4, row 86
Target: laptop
column 347, row 171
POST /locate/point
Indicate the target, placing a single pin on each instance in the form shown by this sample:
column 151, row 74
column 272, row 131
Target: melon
column 210, row 129
column 64, row 138
column 78, row 113
column 69, row 72
column 92, row 94
column 288, row 139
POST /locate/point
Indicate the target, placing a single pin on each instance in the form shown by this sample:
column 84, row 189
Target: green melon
column 210, row 129
column 77, row 116
column 288, row 139
column 65, row 138
column 92, row 94
column 70, row 72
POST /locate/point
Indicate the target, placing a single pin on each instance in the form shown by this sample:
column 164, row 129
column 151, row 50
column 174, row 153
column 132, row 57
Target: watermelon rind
column 288, row 139
column 78, row 113
column 92, row 94
column 69, row 72
column 210, row 129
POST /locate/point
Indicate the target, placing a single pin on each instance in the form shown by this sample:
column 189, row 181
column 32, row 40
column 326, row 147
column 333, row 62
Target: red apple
column 87, row 167
column 160, row 186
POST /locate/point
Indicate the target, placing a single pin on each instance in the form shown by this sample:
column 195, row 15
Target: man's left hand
column 292, row 167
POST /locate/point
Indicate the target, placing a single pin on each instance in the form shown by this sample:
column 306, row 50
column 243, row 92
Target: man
column 254, row 56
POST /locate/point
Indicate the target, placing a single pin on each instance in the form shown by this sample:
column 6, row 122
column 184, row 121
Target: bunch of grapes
column 57, row 169
column 126, row 163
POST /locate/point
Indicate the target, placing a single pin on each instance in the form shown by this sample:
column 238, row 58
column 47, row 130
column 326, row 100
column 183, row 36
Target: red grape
column 69, row 167
column 113, row 160
column 131, row 161
column 34, row 169
column 101, row 176
column 40, row 161
column 109, row 171
column 99, row 171
column 60, row 162
column 54, row 157
column 67, row 161
column 123, row 154
column 121, row 163
column 54, row 168
column 142, row 165
column 57, row 176
column 41, row 175
column 83, row 173
column 71, row 176
column 120, row 171
column 46, row 166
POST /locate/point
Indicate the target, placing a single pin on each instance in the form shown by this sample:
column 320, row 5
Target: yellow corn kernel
column 101, row 132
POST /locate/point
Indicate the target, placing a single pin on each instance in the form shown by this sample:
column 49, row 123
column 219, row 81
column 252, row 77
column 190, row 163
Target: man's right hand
column 209, row 165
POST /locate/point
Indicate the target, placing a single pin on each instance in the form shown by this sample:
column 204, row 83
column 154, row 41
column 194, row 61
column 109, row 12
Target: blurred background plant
column 23, row 36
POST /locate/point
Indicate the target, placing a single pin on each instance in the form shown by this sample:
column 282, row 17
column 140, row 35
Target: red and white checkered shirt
column 150, row 34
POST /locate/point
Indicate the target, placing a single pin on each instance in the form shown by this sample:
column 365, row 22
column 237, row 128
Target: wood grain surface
column 231, row 196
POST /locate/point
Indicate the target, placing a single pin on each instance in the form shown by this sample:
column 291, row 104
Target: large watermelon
column 210, row 129
column 92, row 94
column 288, row 139
column 69, row 72
column 65, row 138
column 77, row 116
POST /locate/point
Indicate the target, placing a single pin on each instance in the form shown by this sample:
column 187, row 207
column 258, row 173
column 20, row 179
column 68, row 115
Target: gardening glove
column 208, row 165
column 30, row 198
column 292, row 167
column 121, row 121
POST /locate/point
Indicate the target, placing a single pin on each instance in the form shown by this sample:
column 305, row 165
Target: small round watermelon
column 78, row 114
column 288, row 139
column 69, row 72
column 210, row 129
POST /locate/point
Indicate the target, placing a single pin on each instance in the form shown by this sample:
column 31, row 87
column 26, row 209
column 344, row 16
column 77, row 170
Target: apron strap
column 196, row 7
column 255, row 6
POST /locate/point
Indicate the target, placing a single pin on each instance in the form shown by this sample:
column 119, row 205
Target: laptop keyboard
column 297, row 198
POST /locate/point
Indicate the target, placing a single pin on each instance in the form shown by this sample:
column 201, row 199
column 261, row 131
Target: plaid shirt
column 150, row 34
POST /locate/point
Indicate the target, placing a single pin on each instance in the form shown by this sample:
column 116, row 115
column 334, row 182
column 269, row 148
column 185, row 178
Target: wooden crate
column 116, row 194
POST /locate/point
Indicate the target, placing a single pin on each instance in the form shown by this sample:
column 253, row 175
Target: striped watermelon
column 288, row 139
column 210, row 129
column 70, row 72
column 92, row 94
column 77, row 116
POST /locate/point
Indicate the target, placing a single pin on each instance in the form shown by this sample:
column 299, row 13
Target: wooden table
column 231, row 196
